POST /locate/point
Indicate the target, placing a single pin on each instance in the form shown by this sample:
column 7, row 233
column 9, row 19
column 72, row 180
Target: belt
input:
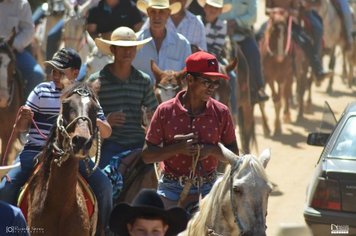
column 196, row 180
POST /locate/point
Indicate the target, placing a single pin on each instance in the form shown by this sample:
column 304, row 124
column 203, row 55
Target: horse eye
column 238, row 190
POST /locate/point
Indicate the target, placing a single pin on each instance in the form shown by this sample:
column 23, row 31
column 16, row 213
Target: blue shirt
column 174, row 50
column 12, row 221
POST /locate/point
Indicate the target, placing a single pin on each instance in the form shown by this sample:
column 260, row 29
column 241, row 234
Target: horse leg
column 266, row 129
column 332, row 68
column 277, row 106
column 308, row 107
column 287, row 94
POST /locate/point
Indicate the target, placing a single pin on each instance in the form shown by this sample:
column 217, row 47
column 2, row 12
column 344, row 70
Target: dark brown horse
column 56, row 202
column 11, row 95
column 282, row 60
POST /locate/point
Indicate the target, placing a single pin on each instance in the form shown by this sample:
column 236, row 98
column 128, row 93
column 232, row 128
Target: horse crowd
column 237, row 203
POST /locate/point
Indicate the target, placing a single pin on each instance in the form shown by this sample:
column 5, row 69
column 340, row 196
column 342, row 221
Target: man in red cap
column 185, row 131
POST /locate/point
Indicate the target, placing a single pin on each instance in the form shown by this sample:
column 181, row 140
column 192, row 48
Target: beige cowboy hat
column 216, row 3
column 5, row 169
column 142, row 5
column 123, row 37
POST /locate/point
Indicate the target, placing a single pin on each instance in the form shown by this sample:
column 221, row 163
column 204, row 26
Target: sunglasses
column 208, row 82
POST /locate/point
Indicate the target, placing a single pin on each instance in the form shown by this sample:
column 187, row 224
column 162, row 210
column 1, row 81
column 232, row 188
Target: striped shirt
column 129, row 97
column 190, row 27
column 215, row 35
column 44, row 101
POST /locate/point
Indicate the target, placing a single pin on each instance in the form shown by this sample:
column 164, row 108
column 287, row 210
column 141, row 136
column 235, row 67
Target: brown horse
column 11, row 96
column 56, row 202
column 282, row 59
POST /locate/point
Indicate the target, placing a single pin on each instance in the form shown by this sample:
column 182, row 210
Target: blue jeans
column 250, row 49
column 53, row 39
column 110, row 149
column 317, row 30
column 31, row 71
column 98, row 182
column 172, row 189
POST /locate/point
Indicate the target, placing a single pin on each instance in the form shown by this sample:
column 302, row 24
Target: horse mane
column 198, row 225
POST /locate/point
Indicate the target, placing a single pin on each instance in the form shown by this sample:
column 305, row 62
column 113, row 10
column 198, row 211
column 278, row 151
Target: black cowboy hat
column 147, row 204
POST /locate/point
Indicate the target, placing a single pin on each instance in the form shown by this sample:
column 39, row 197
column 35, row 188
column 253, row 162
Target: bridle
column 64, row 149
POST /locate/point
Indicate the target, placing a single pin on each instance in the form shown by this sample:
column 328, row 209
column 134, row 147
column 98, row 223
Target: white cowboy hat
column 5, row 169
column 216, row 3
column 142, row 5
column 123, row 37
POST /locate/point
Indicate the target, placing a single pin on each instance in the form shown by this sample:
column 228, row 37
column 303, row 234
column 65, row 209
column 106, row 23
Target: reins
column 188, row 184
column 289, row 37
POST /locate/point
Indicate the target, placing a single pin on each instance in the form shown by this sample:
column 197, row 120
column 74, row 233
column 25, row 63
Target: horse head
column 249, row 191
column 278, row 33
column 168, row 82
column 76, row 123
column 7, row 73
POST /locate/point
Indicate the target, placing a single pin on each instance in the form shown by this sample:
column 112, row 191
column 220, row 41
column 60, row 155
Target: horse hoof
column 287, row 119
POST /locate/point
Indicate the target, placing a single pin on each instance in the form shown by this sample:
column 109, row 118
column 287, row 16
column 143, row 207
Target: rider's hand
column 187, row 144
column 24, row 119
column 116, row 118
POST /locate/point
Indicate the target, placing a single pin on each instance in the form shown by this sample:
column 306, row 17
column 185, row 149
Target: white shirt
column 17, row 14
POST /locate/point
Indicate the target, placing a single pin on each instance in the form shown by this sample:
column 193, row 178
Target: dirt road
column 293, row 161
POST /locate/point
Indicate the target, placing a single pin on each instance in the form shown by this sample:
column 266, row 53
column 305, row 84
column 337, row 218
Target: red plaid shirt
column 212, row 126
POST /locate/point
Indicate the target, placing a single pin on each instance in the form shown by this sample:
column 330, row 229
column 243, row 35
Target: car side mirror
column 318, row 139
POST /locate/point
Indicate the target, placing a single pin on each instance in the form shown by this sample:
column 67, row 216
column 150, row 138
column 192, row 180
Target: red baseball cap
column 203, row 63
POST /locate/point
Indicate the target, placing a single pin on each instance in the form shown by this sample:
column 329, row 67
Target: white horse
column 237, row 203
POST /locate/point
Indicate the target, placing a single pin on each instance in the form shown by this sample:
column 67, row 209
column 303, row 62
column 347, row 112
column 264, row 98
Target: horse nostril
column 80, row 142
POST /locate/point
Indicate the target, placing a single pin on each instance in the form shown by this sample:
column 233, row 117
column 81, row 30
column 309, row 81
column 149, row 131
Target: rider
column 123, row 91
column 187, row 24
column 189, row 127
column 16, row 17
column 299, row 35
column 168, row 48
column 111, row 14
column 43, row 106
column 240, row 22
column 216, row 31
column 147, row 216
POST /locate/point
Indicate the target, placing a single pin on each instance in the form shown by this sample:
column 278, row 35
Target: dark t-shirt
column 107, row 19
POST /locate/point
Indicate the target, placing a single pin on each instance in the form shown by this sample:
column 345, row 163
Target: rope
column 188, row 183
column 289, row 37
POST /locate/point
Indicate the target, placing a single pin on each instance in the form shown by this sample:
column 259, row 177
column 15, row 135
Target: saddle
column 90, row 200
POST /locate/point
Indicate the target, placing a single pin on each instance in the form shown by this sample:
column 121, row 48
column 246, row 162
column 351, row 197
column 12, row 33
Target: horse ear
column 228, row 154
column 67, row 5
column 180, row 76
column 265, row 156
column 232, row 65
column 157, row 72
column 83, row 9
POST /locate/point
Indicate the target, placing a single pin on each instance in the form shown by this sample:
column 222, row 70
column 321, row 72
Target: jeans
column 53, row 39
column 251, row 51
column 111, row 148
column 317, row 30
column 31, row 71
column 172, row 189
column 98, row 182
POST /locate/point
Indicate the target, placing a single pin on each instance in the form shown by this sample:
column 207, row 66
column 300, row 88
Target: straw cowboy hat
column 147, row 204
column 122, row 36
column 216, row 3
column 5, row 169
column 142, row 5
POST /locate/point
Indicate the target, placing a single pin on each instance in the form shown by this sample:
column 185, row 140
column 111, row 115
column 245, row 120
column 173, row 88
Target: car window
column 345, row 146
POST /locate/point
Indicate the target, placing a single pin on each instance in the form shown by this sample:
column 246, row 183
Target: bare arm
column 104, row 128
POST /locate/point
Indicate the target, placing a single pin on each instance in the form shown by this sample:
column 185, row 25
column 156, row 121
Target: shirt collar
column 106, row 73
column 181, row 110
